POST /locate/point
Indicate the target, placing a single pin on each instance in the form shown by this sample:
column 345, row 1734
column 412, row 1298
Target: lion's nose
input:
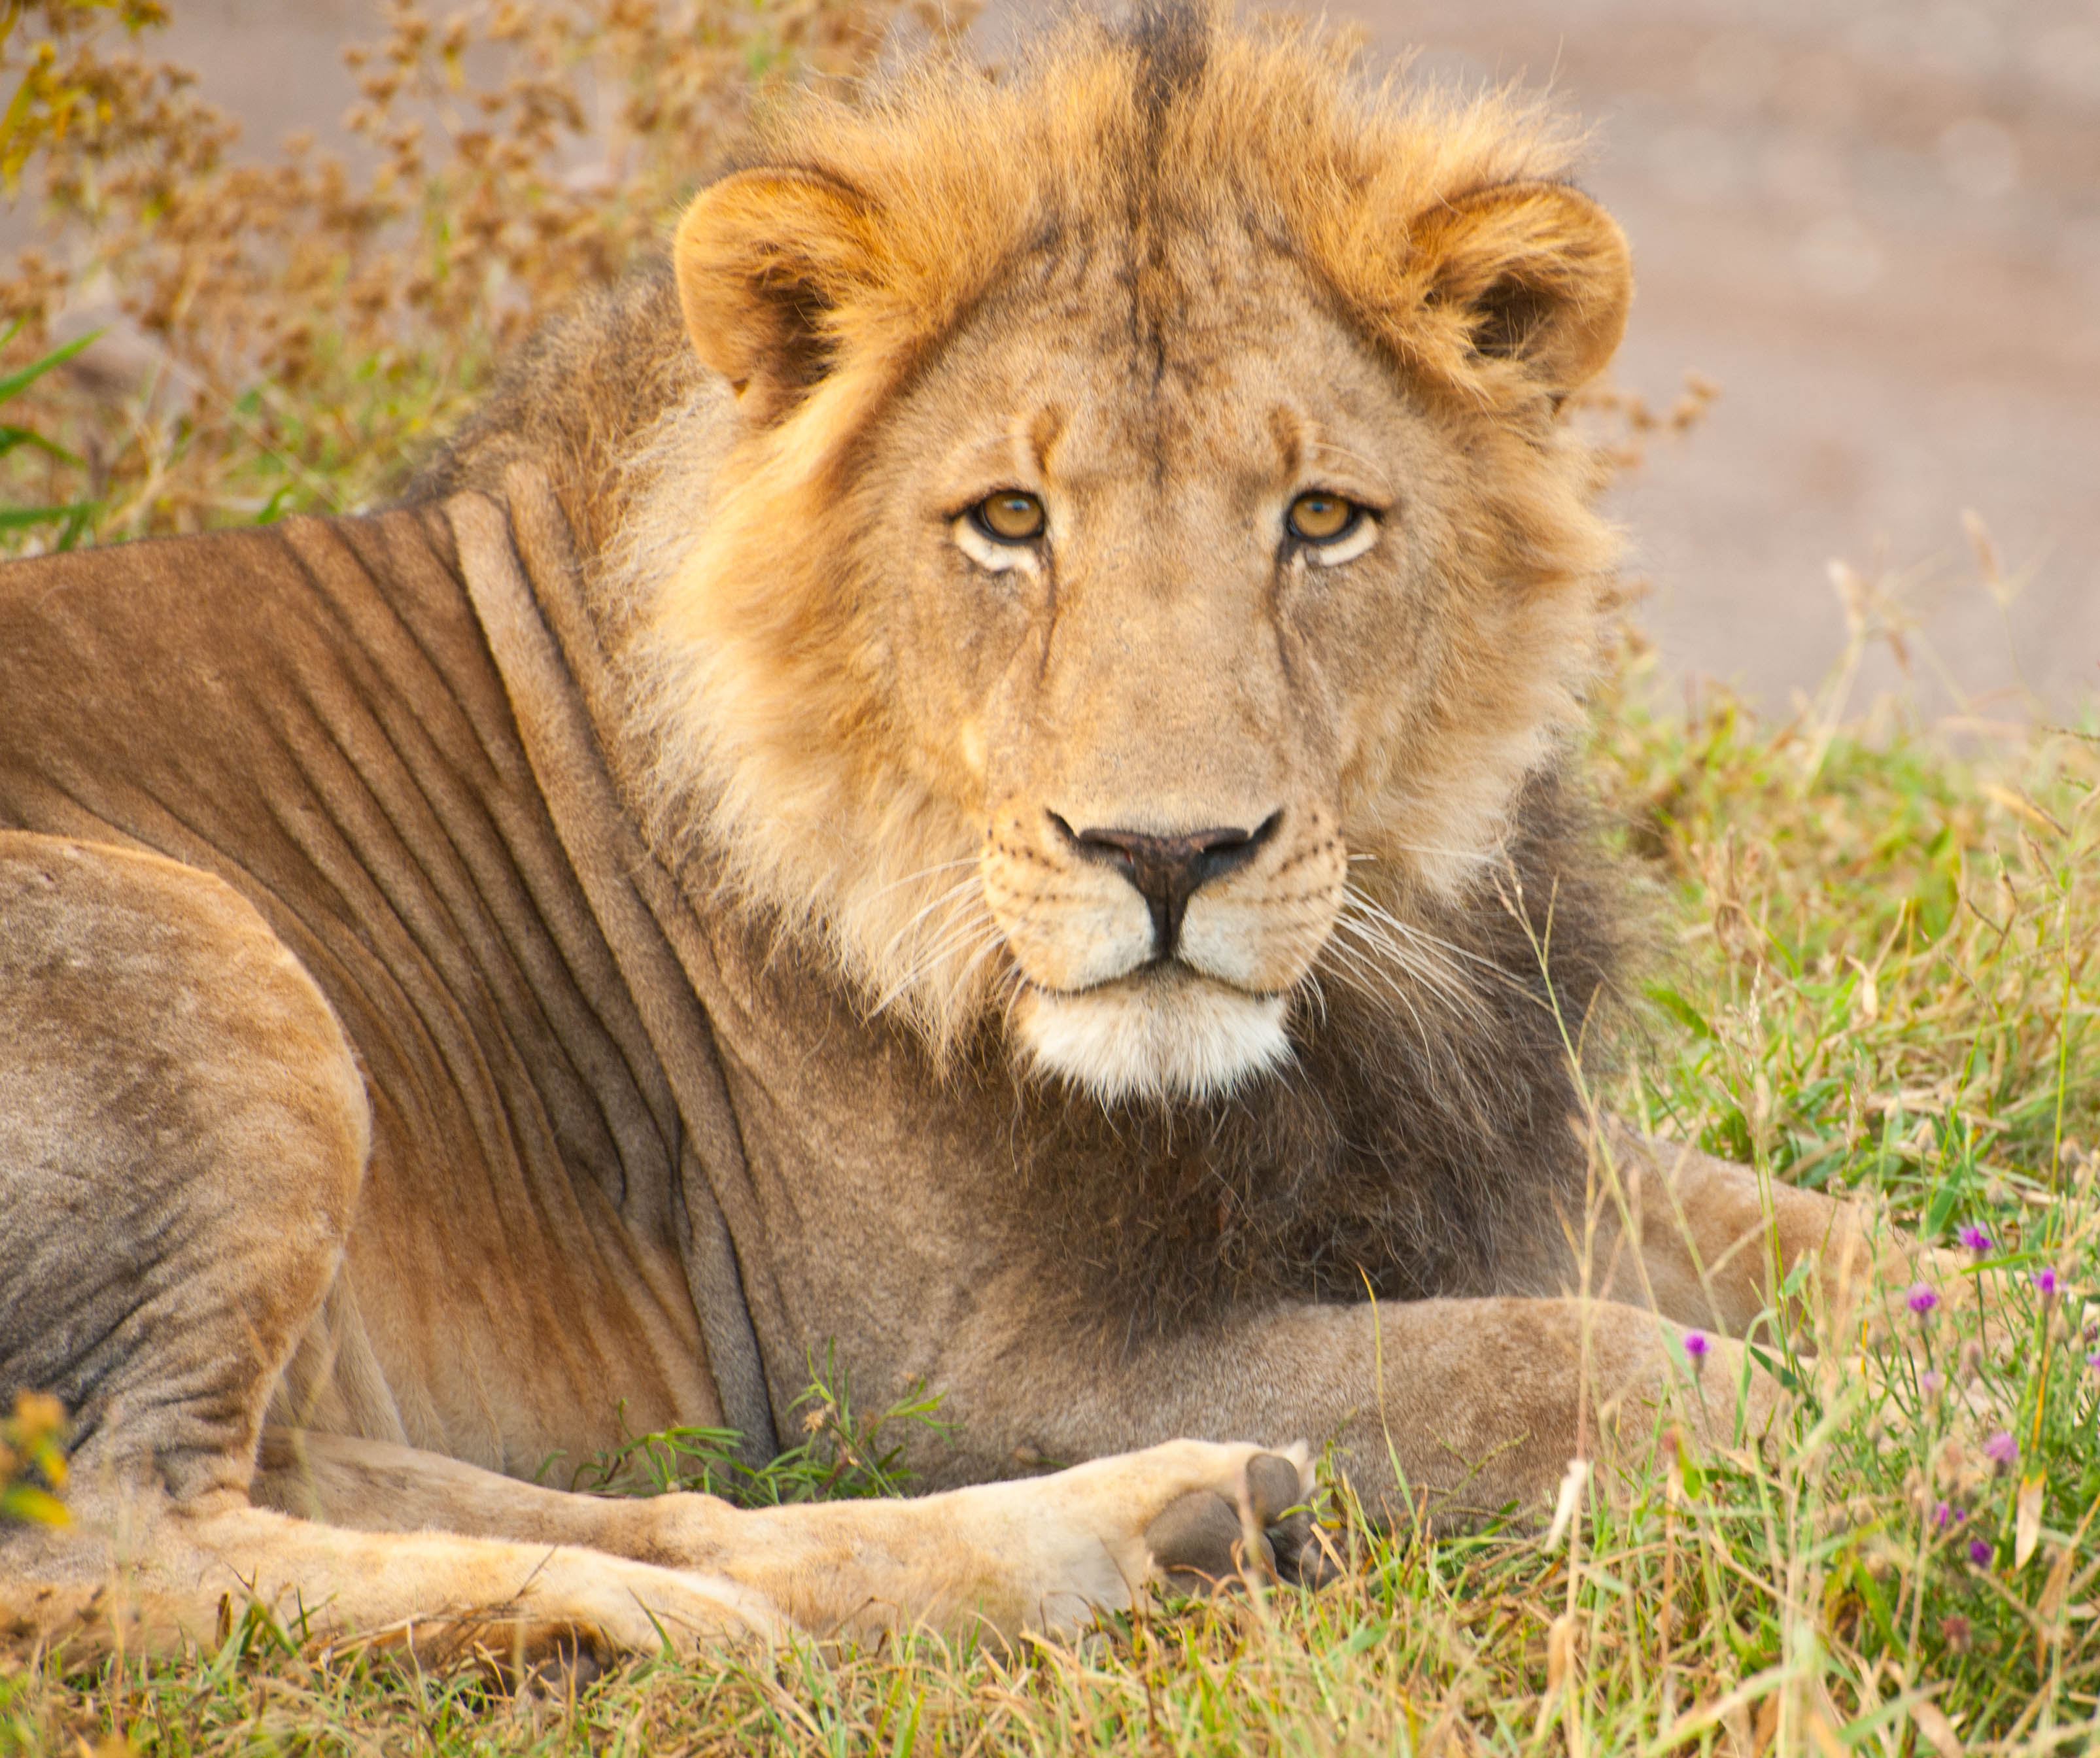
column 1168, row 871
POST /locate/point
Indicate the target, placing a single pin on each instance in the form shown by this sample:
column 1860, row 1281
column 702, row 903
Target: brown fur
column 1408, row 1150
column 670, row 835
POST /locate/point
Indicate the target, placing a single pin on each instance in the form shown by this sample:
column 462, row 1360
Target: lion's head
column 1145, row 567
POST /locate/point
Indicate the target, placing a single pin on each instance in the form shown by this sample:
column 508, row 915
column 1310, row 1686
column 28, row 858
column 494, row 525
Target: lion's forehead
column 1251, row 378
column 1152, row 284
column 1200, row 322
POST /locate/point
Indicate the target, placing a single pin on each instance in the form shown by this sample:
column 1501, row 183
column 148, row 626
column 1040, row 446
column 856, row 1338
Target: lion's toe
column 1198, row 1542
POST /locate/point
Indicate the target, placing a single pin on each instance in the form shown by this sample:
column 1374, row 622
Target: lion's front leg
column 1042, row 1554
column 1703, row 1242
column 1469, row 1404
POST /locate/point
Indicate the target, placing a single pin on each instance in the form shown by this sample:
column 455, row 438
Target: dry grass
column 1883, row 980
column 287, row 333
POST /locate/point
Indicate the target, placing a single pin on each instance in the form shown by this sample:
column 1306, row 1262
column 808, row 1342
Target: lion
column 973, row 770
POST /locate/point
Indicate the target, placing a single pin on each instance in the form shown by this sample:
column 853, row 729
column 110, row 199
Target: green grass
column 1881, row 980
column 844, row 1452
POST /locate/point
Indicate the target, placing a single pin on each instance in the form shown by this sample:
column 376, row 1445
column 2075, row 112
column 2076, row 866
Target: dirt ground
column 1878, row 228
column 1876, row 223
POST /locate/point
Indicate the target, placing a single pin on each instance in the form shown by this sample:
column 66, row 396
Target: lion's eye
column 1322, row 518
column 1010, row 516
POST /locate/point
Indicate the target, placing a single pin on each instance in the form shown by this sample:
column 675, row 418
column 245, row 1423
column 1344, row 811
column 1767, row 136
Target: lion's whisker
column 1429, row 937
column 1419, row 950
column 1376, row 984
column 1426, row 964
column 1483, row 857
column 1310, row 985
column 1381, row 955
column 912, row 878
column 992, row 944
column 1381, row 969
column 953, row 938
column 960, row 888
column 1370, row 908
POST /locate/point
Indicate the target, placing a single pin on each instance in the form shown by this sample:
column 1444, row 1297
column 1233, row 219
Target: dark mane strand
column 1172, row 38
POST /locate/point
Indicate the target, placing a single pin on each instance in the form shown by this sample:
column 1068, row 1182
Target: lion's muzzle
column 1168, row 871
column 1160, row 961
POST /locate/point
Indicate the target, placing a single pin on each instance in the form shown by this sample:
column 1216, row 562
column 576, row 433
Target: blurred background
column 1874, row 225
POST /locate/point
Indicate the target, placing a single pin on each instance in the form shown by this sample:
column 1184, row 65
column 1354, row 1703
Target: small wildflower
column 1954, row 1631
column 2045, row 1281
column 1944, row 1515
column 2001, row 1448
column 1976, row 1239
column 1697, row 1343
column 1930, row 1384
column 1920, row 1300
column 2092, row 1361
column 1979, row 1552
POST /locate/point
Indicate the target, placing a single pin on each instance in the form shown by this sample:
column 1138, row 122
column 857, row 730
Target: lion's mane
column 754, row 742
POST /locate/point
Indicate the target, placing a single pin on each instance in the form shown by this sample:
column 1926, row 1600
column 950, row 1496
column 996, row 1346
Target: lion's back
column 226, row 700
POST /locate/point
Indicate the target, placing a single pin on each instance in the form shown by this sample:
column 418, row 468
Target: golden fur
column 727, row 898
column 779, row 662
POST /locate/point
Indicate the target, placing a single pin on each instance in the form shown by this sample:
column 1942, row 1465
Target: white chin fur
column 1175, row 1036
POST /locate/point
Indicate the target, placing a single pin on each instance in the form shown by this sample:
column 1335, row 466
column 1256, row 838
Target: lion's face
column 1159, row 627
column 1147, row 587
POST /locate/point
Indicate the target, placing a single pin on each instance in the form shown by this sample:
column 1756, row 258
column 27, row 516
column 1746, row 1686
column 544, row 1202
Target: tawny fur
column 762, row 638
column 559, row 956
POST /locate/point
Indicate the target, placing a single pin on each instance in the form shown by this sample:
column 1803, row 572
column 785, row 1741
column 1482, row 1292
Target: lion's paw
column 1179, row 1516
column 1199, row 1541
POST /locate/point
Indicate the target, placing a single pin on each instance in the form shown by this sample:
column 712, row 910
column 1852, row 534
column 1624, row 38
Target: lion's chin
column 1164, row 1035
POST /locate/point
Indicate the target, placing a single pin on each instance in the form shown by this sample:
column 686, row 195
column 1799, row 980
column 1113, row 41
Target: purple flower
column 1976, row 1239
column 1920, row 1300
column 1944, row 1516
column 2046, row 1280
column 2092, row 1361
column 2001, row 1448
column 1979, row 1552
column 1697, row 1343
column 1930, row 1382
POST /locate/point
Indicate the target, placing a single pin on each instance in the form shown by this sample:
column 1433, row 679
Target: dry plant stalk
column 286, row 333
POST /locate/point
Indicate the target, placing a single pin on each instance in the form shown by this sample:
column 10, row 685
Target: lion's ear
column 1539, row 274
column 764, row 258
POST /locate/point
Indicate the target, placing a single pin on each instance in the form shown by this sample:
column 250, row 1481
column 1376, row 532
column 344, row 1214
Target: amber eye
column 1321, row 518
column 1011, row 516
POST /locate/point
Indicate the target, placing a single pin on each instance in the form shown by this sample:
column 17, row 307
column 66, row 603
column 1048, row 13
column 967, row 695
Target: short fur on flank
column 969, row 776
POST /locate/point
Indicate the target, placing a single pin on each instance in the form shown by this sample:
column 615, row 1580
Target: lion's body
column 348, row 760
column 595, row 821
